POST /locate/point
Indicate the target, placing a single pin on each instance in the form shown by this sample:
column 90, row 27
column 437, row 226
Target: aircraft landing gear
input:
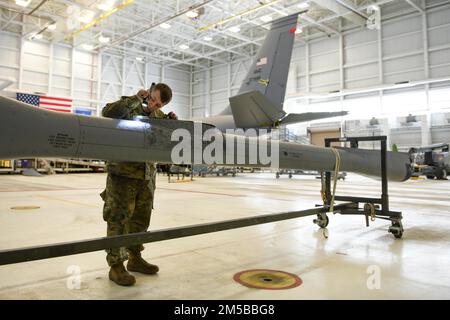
column 396, row 229
column 322, row 220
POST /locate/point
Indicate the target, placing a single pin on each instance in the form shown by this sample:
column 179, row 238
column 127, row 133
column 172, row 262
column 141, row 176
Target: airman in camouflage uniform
column 130, row 187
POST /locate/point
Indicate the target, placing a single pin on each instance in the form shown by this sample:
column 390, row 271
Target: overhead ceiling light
column 373, row 7
column 86, row 16
column 23, row 3
column 37, row 36
column 266, row 18
column 103, row 39
column 106, row 5
column 140, row 59
column 235, row 29
column 192, row 14
column 87, row 46
column 184, row 46
column 298, row 30
column 207, row 38
column 52, row 26
column 303, row 5
column 165, row 25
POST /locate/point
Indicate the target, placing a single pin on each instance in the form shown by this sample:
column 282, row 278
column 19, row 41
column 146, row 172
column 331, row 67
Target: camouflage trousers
column 127, row 209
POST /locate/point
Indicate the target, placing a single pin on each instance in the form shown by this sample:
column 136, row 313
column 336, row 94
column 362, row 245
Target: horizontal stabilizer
column 253, row 110
column 309, row 116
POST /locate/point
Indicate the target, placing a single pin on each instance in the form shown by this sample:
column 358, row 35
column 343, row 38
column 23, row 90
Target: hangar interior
column 385, row 62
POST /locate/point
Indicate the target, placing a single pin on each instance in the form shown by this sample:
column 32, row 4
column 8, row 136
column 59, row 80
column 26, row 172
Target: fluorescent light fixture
column 192, row 14
column 86, row 16
column 266, row 18
column 373, row 7
column 235, row 29
column 87, row 46
column 106, row 5
column 207, row 38
column 165, row 25
column 303, row 5
column 52, row 26
column 37, row 36
column 103, row 39
column 23, row 3
column 140, row 59
column 183, row 46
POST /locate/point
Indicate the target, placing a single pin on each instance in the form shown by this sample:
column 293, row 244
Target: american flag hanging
column 50, row 103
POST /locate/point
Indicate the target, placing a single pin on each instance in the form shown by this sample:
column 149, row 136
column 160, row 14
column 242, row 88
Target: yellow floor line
column 68, row 201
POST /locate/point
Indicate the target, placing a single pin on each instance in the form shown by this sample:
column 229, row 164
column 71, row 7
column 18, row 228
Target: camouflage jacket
column 127, row 108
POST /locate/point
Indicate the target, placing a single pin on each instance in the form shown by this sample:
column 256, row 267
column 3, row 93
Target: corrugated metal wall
column 58, row 70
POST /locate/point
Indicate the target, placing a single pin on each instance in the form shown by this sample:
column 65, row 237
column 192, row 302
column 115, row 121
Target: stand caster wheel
column 322, row 221
column 396, row 229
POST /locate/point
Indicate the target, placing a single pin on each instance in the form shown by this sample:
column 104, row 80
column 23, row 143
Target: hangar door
column 317, row 135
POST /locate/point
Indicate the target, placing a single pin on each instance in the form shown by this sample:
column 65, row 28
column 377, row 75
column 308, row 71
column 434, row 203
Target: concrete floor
column 355, row 262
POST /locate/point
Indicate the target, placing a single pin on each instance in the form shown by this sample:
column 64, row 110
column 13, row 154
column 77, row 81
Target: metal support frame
column 84, row 246
column 373, row 207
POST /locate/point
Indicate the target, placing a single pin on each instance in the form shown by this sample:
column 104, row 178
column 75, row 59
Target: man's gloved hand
column 142, row 94
column 172, row 115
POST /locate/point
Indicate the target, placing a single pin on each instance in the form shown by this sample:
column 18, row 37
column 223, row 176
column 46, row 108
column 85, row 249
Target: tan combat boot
column 137, row 264
column 120, row 275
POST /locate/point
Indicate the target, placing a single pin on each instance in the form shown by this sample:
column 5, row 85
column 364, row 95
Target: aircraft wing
column 309, row 116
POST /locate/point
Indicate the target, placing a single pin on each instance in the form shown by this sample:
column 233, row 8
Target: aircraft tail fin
column 269, row 71
column 259, row 102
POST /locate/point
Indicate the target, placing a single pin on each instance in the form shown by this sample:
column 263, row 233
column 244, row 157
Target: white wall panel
column 83, row 57
column 404, row 76
column 35, row 81
column 61, row 67
column 399, row 27
column 439, row 72
column 404, row 63
column 178, row 86
column 62, row 82
column 298, row 54
column 361, row 72
column 36, row 48
column 61, row 52
column 361, row 53
column 35, row 63
column 153, row 71
column 219, row 83
column 219, row 97
column 360, row 38
column 198, row 101
column 325, row 80
column 324, row 61
column 439, row 17
column 440, row 57
column 198, row 113
column 317, row 47
column 9, row 57
column 11, row 73
column 438, row 37
column 362, row 83
column 402, row 45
